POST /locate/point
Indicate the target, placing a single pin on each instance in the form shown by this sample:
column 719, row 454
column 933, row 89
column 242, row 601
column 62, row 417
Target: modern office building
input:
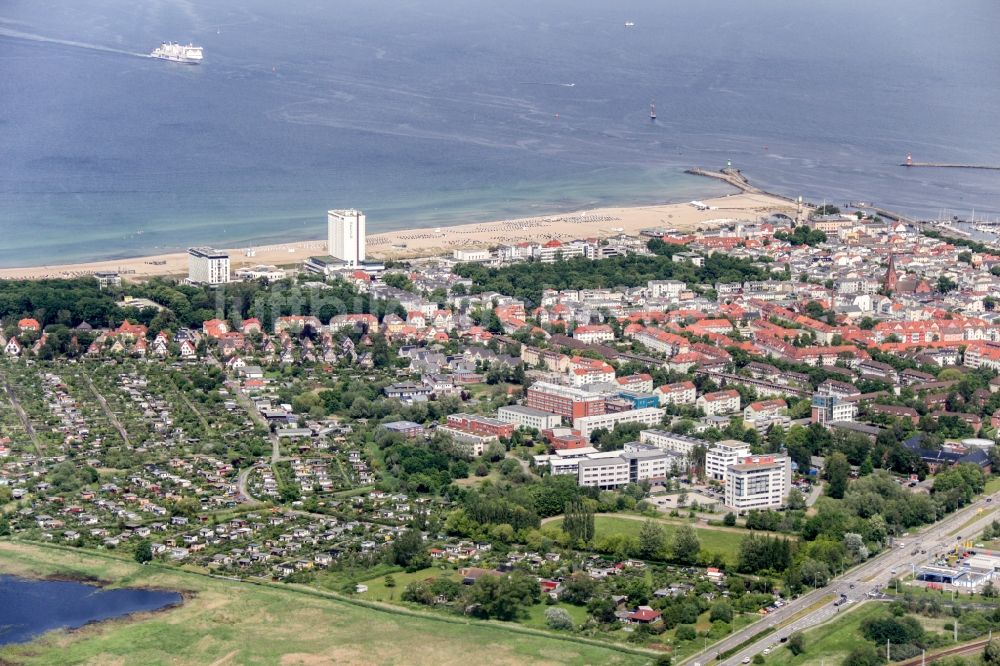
column 611, row 469
column 722, row 455
column 606, row 471
column 672, row 442
column 346, row 236
column 758, row 482
column 647, row 463
column 528, row 417
column 207, row 266
column 639, row 400
column 829, row 408
column 108, row 279
column 586, row 425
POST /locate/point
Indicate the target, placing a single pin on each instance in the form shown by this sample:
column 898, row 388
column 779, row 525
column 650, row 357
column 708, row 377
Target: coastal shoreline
column 421, row 242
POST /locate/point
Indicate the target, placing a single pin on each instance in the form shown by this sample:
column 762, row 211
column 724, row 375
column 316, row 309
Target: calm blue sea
column 424, row 112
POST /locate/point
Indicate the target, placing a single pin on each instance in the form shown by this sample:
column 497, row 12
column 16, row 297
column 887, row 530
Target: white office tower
column 207, row 266
column 346, row 230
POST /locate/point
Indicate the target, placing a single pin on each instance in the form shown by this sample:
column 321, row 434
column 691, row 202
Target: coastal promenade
column 419, row 242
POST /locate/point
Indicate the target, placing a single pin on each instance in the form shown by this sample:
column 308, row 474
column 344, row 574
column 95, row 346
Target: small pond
column 32, row 607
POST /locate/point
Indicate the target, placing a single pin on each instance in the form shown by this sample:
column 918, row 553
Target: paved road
column 107, row 411
column 22, row 415
column 242, row 485
column 814, row 494
column 255, row 416
column 876, row 572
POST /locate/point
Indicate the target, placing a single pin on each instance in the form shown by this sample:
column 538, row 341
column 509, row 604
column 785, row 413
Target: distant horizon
column 363, row 108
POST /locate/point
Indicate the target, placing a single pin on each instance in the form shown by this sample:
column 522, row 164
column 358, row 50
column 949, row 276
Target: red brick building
column 568, row 402
column 481, row 425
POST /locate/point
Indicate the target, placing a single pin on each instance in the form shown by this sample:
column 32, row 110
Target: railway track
column 969, row 648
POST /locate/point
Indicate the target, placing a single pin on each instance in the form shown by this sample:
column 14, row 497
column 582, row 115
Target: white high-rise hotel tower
column 346, row 235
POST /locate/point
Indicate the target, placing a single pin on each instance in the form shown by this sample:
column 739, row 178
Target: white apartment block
column 346, row 235
column 270, row 273
column 471, row 255
column 470, row 443
column 681, row 393
column 647, row 463
column 763, row 409
column 593, row 375
column 207, row 266
column 552, row 250
column 762, row 414
column 673, row 443
column 586, row 425
column 642, row 383
column 720, row 402
column 517, row 252
column 722, row 455
column 593, row 334
column 661, row 341
column 665, row 288
column 606, row 473
column 759, row 482
column 642, row 463
column 529, row 417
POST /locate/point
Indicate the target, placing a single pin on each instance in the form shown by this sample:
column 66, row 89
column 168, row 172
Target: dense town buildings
column 371, row 400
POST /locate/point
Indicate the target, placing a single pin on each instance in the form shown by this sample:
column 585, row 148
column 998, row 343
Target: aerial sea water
column 427, row 112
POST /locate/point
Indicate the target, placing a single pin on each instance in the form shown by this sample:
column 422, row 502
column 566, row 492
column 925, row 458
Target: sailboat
column 652, row 111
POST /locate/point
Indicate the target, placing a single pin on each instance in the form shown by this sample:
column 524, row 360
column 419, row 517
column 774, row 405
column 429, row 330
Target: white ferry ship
column 189, row 55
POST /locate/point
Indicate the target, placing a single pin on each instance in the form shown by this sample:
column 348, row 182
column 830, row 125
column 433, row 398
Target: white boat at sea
column 189, row 55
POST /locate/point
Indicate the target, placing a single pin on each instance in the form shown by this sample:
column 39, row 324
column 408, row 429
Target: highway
column 855, row 584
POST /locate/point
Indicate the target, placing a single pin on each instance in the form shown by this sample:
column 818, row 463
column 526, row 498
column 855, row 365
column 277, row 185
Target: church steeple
column 891, row 279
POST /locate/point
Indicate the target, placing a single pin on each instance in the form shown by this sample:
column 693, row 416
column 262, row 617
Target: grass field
column 536, row 614
column 726, row 542
column 378, row 591
column 228, row 623
column 831, row 642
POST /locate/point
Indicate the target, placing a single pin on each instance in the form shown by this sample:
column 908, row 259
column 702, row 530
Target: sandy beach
column 409, row 243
